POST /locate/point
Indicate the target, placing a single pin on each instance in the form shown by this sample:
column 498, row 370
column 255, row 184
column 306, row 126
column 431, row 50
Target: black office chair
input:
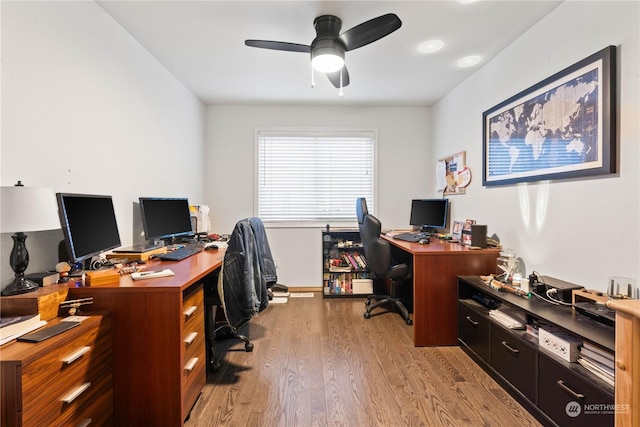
column 361, row 211
column 241, row 288
column 378, row 254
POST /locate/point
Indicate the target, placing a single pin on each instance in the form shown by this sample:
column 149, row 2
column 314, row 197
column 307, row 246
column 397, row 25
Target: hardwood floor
column 320, row 363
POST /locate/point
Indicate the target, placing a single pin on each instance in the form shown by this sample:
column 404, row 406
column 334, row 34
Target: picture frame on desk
column 466, row 232
column 561, row 127
column 456, row 230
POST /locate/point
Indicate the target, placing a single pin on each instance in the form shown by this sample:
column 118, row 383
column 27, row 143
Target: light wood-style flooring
column 318, row 362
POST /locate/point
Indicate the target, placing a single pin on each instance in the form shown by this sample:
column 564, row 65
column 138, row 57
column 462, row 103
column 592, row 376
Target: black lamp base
column 20, row 285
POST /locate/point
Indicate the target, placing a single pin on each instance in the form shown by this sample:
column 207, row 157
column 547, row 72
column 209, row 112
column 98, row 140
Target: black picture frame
column 562, row 127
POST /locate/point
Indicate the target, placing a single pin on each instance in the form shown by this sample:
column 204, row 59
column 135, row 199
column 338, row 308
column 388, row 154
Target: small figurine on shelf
column 63, row 269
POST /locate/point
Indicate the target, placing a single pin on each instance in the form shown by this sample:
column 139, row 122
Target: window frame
column 314, row 132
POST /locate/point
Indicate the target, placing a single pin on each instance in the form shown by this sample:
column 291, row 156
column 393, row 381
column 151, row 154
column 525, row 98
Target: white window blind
column 312, row 176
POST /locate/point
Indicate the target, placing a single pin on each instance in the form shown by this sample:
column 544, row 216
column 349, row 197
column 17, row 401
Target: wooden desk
column 159, row 368
column 436, row 267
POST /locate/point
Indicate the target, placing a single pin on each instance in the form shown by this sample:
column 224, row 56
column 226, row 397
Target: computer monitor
column 429, row 214
column 165, row 218
column 88, row 224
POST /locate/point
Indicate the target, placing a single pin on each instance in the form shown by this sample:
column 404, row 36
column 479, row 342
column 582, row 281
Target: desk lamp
column 25, row 209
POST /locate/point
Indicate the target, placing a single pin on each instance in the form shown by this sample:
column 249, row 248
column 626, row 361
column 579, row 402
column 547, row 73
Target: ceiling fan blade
column 370, row 31
column 268, row 44
column 334, row 77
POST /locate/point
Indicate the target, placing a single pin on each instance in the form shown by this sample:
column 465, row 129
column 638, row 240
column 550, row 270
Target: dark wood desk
column 158, row 340
column 436, row 267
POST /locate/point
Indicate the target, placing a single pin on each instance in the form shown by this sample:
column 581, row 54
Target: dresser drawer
column 62, row 380
column 193, row 335
column 568, row 399
column 474, row 329
column 515, row 360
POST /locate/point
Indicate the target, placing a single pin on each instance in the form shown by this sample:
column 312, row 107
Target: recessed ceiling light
column 468, row 61
column 430, row 46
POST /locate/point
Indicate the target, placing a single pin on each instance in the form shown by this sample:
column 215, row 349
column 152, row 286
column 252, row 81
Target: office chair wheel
column 409, row 322
column 367, row 302
column 248, row 347
column 367, row 315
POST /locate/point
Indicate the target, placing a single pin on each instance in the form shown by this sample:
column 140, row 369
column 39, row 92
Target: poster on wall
column 562, row 127
column 452, row 174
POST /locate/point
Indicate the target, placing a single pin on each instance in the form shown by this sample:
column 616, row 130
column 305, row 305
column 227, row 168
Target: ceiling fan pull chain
column 313, row 80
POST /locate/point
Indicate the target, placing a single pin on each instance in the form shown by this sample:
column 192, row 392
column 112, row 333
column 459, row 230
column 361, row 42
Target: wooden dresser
column 64, row 380
column 627, row 361
column 158, row 338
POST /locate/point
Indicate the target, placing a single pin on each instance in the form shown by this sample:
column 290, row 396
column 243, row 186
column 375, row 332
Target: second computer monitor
column 429, row 214
column 165, row 218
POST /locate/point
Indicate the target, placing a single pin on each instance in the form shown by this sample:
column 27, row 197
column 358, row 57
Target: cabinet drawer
column 194, row 361
column 568, row 399
column 474, row 330
column 65, row 365
column 63, row 380
column 515, row 360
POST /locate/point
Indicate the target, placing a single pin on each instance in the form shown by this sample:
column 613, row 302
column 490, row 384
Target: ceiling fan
column 328, row 48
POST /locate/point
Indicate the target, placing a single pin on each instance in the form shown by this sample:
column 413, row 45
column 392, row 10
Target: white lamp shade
column 27, row 209
column 327, row 63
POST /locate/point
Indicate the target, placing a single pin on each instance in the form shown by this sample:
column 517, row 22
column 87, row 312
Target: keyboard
column 181, row 253
column 411, row 236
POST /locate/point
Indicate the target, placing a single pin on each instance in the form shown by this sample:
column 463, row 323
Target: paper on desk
column 152, row 274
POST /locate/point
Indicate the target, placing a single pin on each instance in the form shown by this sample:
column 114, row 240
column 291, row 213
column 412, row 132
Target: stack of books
column 16, row 326
column 598, row 361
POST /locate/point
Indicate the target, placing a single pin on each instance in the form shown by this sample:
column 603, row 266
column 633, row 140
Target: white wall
column 581, row 231
column 85, row 109
column 403, row 171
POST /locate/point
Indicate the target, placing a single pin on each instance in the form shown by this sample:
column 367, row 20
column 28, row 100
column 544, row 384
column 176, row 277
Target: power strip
column 559, row 343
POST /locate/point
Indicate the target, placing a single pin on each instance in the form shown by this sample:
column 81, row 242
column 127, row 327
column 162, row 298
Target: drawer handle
column 76, row 355
column 568, row 390
column 85, row 422
column 191, row 364
column 75, row 393
column 473, row 322
column 511, row 349
column 189, row 311
column 189, row 338
column 620, row 365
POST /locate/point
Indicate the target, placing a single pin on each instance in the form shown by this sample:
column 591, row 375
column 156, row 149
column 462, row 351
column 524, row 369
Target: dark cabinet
column 568, row 399
column 555, row 391
column 515, row 360
column 474, row 332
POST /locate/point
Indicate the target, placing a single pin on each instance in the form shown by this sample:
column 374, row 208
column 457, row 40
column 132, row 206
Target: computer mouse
column 211, row 248
column 423, row 241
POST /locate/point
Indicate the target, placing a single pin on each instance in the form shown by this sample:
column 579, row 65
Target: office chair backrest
column 361, row 209
column 376, row 250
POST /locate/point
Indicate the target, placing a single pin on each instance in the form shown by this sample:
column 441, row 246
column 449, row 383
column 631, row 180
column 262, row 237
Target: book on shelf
column 597, row 371
column 16, row 326
column 600, row 358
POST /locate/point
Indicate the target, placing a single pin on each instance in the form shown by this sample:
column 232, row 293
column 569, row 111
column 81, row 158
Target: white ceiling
column 202, row 44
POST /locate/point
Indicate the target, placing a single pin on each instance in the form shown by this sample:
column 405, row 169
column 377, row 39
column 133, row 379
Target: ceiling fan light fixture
column 327, row 59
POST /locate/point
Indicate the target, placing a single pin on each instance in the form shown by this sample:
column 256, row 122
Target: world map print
column 548, row 132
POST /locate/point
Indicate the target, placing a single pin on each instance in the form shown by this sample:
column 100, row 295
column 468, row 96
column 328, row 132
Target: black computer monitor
column 88, row 224
column 429, row 214
column 165, row 218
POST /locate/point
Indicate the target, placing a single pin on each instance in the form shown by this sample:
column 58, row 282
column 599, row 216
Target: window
column 313, row 177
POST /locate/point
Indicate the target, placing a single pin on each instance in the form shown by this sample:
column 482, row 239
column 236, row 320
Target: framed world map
column 562, row 127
